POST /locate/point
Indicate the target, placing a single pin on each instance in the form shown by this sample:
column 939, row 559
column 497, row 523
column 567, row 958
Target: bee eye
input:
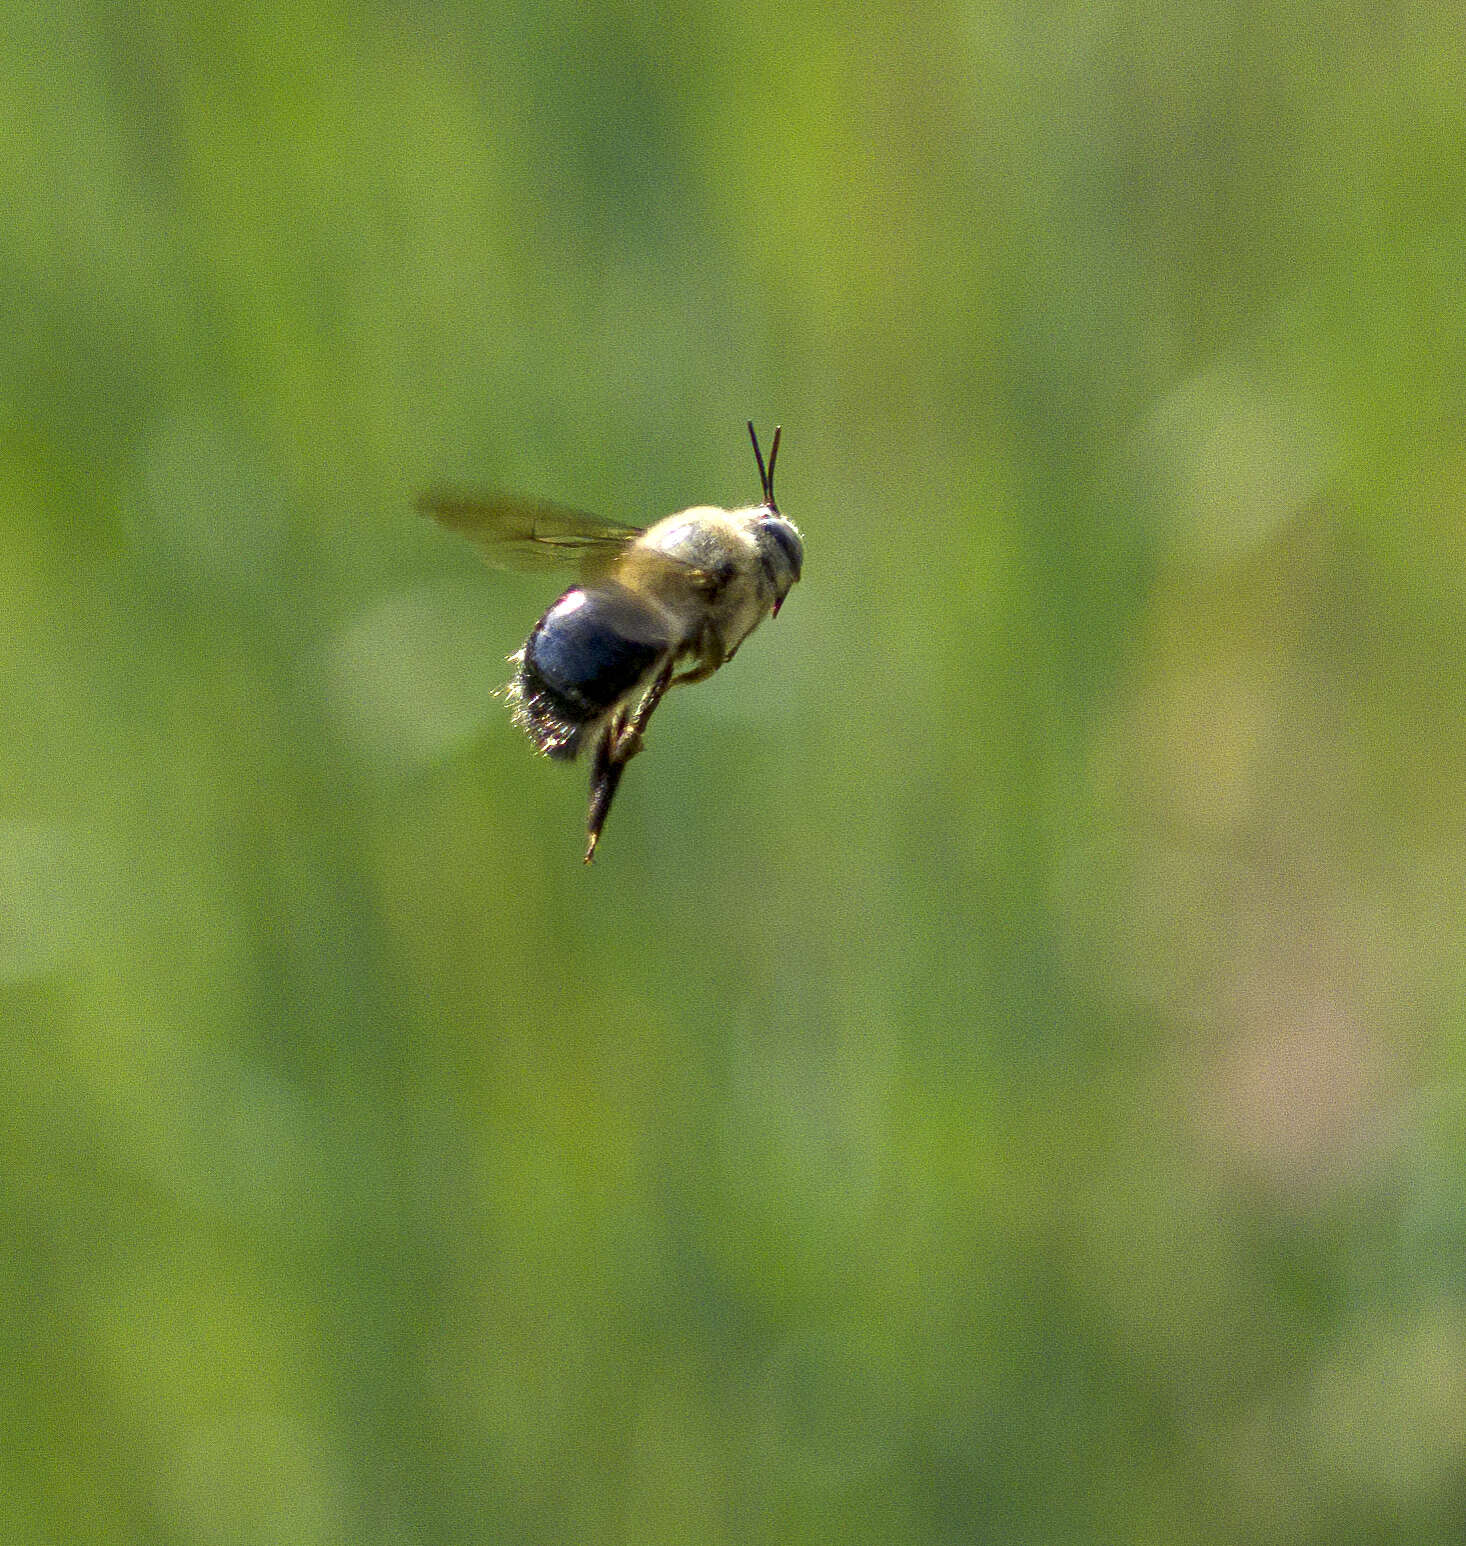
column 786, row 539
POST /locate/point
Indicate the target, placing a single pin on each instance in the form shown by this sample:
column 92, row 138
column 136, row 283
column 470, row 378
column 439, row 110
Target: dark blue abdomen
column 590, row 649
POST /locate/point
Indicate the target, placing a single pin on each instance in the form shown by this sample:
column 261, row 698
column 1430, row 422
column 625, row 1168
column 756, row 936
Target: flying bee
column 683, row 593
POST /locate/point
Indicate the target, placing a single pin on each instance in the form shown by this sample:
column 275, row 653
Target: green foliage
column 1004, row 1078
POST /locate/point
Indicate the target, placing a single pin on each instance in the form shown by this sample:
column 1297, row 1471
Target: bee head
column 778, row 537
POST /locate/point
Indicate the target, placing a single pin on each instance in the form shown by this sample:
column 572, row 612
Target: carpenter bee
column 683, row 593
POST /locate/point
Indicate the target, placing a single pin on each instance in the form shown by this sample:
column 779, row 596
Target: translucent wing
column 517, row 533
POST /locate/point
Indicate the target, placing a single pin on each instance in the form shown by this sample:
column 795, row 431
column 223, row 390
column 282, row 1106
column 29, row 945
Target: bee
column 656, row 607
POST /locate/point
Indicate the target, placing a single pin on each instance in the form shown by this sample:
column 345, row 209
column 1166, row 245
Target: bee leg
column 710, row 655
column 696, row 674
column 605, row 775
column 619, row 743
column 628, row 735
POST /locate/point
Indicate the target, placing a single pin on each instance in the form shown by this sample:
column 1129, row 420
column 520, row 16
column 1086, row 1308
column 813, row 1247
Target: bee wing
column 517, row 533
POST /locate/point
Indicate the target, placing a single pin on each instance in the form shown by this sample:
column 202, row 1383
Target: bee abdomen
column 591, row 649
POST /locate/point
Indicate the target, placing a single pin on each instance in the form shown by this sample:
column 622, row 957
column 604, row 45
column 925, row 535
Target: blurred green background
column 1004, row 1079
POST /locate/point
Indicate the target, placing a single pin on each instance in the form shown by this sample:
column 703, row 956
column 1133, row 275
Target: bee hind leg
column 605, row 775
column 618, row 743
column 628, row 737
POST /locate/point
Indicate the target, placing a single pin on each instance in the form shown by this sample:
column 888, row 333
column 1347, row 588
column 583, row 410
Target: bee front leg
column 710, row 655
column 696, row 674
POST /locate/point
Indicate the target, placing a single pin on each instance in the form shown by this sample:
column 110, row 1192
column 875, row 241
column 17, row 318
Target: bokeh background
column 1004, row 1079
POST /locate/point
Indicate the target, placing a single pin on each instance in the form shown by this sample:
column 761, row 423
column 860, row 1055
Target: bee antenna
column 766, row 474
